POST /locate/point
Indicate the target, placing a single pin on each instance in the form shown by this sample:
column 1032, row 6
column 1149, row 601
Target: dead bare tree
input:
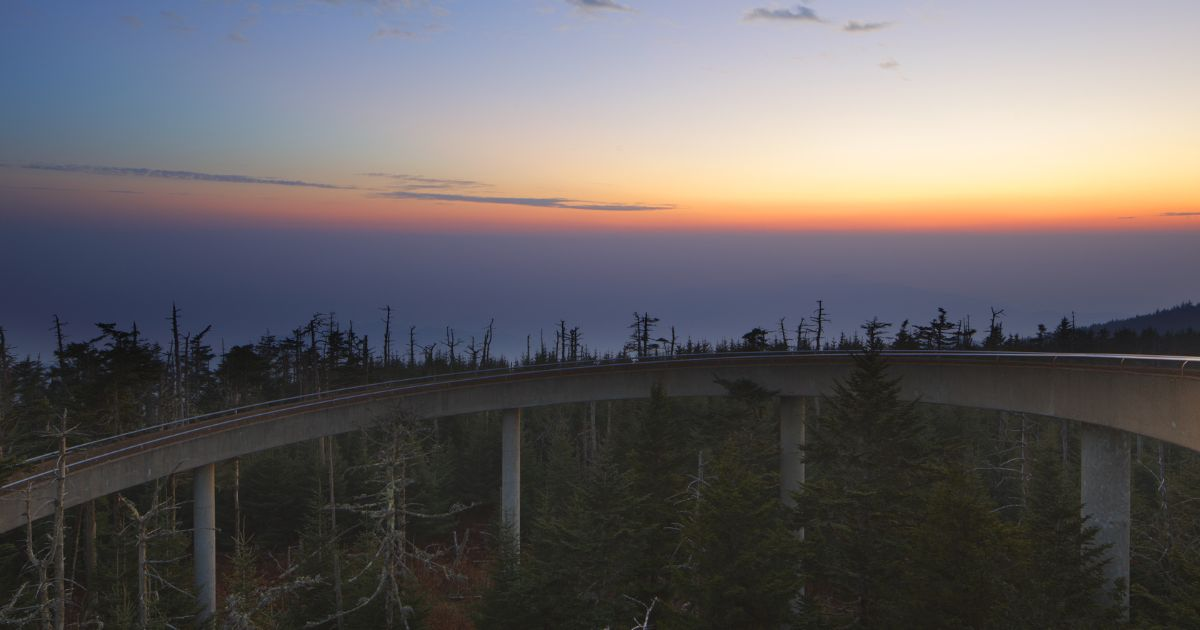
column 487, row 341
column 12, row 613
column 819, row 321
column 400, row 444
column 451, row 343
column 387, row 335
column 333, row 533
column 252, row 599
column 60, row 494
column 144, row 522
column 40, row 565
column 473, row 351
column 648, row 610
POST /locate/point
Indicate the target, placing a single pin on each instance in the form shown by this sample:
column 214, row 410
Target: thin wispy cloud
column 890, row 64
column 132, row 21
column 797, row 13
column 176, row 22
column 598, row 5
column 387, row 33
column 122, row 171
column 417, row 182
column 1180, row 214
column 238, row 35
column 48, row 188
column 863, row 27
column 535, row 202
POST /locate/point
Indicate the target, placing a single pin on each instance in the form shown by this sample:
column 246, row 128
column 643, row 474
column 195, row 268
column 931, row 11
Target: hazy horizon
column 248, row 281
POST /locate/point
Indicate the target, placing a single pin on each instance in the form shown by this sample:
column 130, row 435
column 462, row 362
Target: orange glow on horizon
column 202, row 203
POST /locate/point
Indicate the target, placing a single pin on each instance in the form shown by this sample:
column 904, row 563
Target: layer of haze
column 245, row 281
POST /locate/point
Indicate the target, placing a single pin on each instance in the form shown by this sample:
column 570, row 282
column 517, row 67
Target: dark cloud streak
column 535, row 202
column 598, row 5
column 795, row 14
column 864, row 27
column 417, row 182
column 122, row 171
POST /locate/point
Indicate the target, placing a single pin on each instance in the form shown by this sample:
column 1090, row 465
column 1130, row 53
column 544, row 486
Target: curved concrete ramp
column 1154, row 396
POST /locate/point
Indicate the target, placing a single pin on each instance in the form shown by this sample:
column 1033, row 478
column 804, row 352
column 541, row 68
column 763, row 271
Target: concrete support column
column 204, row 538
column 1104, row 478
column 510, row 473
column 793, row 412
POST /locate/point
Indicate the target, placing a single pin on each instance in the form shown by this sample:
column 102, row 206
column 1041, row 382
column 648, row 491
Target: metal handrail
column 360, row 391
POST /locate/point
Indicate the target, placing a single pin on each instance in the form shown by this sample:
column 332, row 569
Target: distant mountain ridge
column 1175, row 319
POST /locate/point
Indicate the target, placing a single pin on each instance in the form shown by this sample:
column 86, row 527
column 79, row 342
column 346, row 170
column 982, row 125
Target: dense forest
column 1178, row 318
column 661, row 513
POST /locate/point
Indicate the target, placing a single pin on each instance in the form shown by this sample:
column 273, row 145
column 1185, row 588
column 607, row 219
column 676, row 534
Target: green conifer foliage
column 739, row 559
column 1062, row 585
column 861, row 515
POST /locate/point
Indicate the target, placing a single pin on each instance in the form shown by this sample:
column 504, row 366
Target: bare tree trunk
column 143, row 596
column 592, row 447
column 43, row 584
column 389, row 604
column 237, row 497
column 412, row 345
column 1162, row 491
column 90, row 560
column 175, row 362
column 172, row 485
column 143, row 521
column 1026, row 458
column 60, row 570
column 333, row 534
column 387, row 336
column 1065, row 438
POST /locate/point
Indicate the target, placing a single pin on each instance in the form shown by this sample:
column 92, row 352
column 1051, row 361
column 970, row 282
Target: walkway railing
column 1184, row 364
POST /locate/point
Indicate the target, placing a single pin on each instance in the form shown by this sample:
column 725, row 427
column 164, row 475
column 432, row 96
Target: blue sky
column 886, row 157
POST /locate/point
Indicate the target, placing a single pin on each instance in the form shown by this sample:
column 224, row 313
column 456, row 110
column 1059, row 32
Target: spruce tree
column 739, row 559
column 963, row 559
column 861, row 515
column 1063, row 584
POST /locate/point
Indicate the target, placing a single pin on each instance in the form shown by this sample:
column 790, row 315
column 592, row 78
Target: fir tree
column 1063, row 584
column 739, row 565
column 875, row 459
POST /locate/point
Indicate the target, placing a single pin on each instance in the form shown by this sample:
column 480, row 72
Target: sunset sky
column 580, row 118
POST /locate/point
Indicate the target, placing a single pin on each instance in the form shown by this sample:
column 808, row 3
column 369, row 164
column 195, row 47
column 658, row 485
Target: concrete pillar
column 510, row 473
column 1104, row 478
column 204, row 538
column 793, row 411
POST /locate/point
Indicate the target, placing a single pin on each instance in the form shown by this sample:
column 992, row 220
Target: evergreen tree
column 1063, row 583
column 586, row 553
column 655, row 450
column 860, row 516
column 905, row 340
column 963, row 559
column 938, row 334
column 740, row 561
